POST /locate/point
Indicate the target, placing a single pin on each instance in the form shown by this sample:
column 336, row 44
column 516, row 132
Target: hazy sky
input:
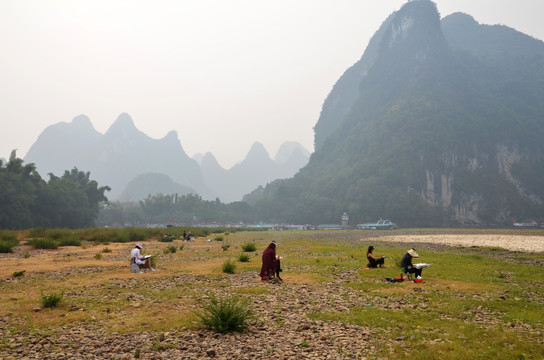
column 222, row 73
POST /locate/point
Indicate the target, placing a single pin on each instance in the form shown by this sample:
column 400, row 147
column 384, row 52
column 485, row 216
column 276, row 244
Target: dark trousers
column 415, row 271
column 278, row 268
column 374, row 263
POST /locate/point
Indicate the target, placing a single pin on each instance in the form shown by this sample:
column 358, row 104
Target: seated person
column 278, row 268
column 137, row 258
column 374, row 262
column 406, row 263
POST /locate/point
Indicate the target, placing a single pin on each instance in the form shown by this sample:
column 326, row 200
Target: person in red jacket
column 268, row 269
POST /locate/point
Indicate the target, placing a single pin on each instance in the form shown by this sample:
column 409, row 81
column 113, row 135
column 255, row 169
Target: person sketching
column 406, row 263
column 137, row 258
column 374, row 262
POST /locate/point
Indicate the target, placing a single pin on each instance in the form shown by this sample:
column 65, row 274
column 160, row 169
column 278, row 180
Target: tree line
column 187, row 209
column 27, row 201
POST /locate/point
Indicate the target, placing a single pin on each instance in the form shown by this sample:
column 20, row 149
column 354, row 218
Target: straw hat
column 413, row 253
column 139, row 245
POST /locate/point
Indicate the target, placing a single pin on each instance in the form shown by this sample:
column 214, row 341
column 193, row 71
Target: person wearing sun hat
column 137, row 258
column 406, row 263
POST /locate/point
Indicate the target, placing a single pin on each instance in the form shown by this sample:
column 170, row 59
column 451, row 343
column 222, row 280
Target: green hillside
column 442, row 131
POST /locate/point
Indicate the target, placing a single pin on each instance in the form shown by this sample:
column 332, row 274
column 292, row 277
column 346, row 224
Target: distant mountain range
column 256, row 170
column 135, row 165
column 439, row 123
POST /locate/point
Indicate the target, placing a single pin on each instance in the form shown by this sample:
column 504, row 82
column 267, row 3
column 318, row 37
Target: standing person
column 406, row 263
column 268, row 269
column 137, row 258
column 374, row 262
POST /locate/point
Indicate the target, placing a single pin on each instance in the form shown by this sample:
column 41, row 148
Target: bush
column 229, row 267
column 219, row 238
column 69, row 242
column 170, row 249
column 8, row 240
column 249, row 247
column 36, row 232
column 7, row 246
column 26, row 254
column 8, row 236
column 226, row 314
column 135, row 236
column 243, row 258
column 225, row 247
column 43, row 243
column 51, row 300
column 19, row 273
column 181, row 247
column 107, row 250
column 57, row 234
column 98, row 256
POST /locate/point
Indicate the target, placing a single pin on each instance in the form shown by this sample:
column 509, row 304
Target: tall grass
column 57, row 234
column 249, row 247
column 51, row 300
column 226, row 314
column 170, row 249
column 69, row 241
column 229, row 267
column 243, row 258
column 45, row 243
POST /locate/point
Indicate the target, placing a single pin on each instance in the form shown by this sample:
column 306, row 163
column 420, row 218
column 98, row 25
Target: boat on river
column 380, row 225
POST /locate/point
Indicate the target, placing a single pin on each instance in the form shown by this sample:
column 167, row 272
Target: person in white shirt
column 137, row 258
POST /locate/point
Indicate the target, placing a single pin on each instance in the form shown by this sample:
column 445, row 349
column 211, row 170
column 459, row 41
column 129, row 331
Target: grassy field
column 475, row 303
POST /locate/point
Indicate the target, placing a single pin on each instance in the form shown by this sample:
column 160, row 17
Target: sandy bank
column 510, row 242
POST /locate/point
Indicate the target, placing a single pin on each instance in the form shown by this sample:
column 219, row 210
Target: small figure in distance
column 374, row 262
column 184, row 235
column 168, row 237
column 269, row 266
column 137, row 258
column 407, row 266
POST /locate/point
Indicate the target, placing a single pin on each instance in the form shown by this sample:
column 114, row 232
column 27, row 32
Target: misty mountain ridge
column 135, row 165
column 257, row 169
column 148, row 184
column 439, row 123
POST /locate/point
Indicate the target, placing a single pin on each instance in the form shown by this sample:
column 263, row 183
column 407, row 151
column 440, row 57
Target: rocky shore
column 284, row 325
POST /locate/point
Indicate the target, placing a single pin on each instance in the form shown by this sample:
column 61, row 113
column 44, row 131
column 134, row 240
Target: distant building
column 345, row 219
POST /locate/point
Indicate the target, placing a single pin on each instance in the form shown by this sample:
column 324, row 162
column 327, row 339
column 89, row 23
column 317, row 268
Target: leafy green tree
column 27, row 201
column 19, row 189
